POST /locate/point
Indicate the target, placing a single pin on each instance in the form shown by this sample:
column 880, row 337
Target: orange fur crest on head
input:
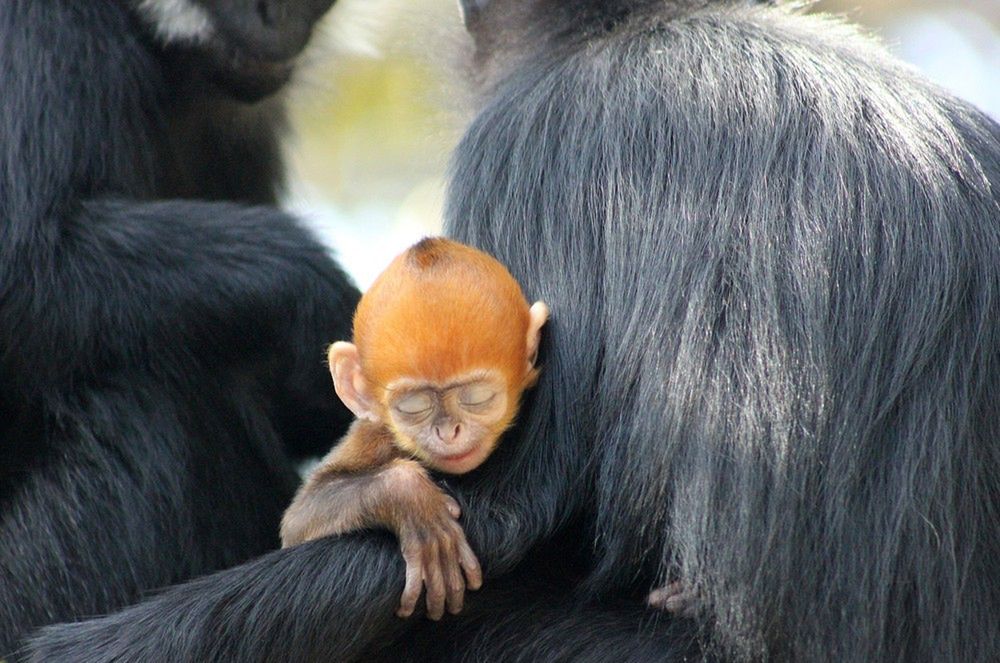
column 441, row 310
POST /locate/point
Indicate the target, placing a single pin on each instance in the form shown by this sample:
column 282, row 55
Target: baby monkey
column 444, row 345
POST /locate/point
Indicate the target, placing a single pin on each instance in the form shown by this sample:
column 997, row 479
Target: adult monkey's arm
column 327, row 600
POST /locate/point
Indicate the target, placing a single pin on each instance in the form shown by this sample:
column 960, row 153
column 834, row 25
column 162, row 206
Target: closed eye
column 476, row 397
column 415, row 404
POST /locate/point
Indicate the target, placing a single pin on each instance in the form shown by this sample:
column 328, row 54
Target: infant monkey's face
column 451, row 427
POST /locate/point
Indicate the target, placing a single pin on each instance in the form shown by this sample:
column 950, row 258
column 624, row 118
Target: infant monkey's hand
column 437, row 556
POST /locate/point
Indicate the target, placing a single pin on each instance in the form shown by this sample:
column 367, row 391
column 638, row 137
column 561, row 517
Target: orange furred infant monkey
column 444, row 345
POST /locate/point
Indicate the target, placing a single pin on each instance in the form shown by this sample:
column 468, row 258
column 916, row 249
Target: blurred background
column 379, row 106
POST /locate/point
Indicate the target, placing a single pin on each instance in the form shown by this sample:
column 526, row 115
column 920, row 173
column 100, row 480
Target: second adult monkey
column 444, row 345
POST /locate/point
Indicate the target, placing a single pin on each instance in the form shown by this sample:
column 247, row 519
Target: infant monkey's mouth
column 459, row 456
column 459, row 463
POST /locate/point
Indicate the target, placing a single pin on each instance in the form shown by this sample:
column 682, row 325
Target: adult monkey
column 159, row 358
column 771, row 253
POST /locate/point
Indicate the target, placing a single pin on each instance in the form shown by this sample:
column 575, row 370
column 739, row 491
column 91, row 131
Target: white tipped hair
column 178, row 20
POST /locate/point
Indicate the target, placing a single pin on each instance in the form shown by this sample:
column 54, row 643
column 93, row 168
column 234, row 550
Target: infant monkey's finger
column 470, row 565
column 434, row 580
column 455, row 582
column 453, row 509
column 411, row 590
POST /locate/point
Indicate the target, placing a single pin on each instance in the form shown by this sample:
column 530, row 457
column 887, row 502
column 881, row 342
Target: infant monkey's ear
column 350, row 383
column 538, row 316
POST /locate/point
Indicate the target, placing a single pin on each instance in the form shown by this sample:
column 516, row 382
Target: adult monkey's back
column 772, row 257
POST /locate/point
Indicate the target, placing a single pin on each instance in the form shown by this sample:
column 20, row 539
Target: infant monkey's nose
column 448, row 432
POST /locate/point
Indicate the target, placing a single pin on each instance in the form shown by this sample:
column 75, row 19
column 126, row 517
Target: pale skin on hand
column 376, row 476
column 676, row 598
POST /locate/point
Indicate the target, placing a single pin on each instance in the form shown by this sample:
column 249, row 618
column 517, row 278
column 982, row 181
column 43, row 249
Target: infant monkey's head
column 444, row 345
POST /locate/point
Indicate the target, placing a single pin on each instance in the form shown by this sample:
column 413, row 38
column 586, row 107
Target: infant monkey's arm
column 365, row 482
